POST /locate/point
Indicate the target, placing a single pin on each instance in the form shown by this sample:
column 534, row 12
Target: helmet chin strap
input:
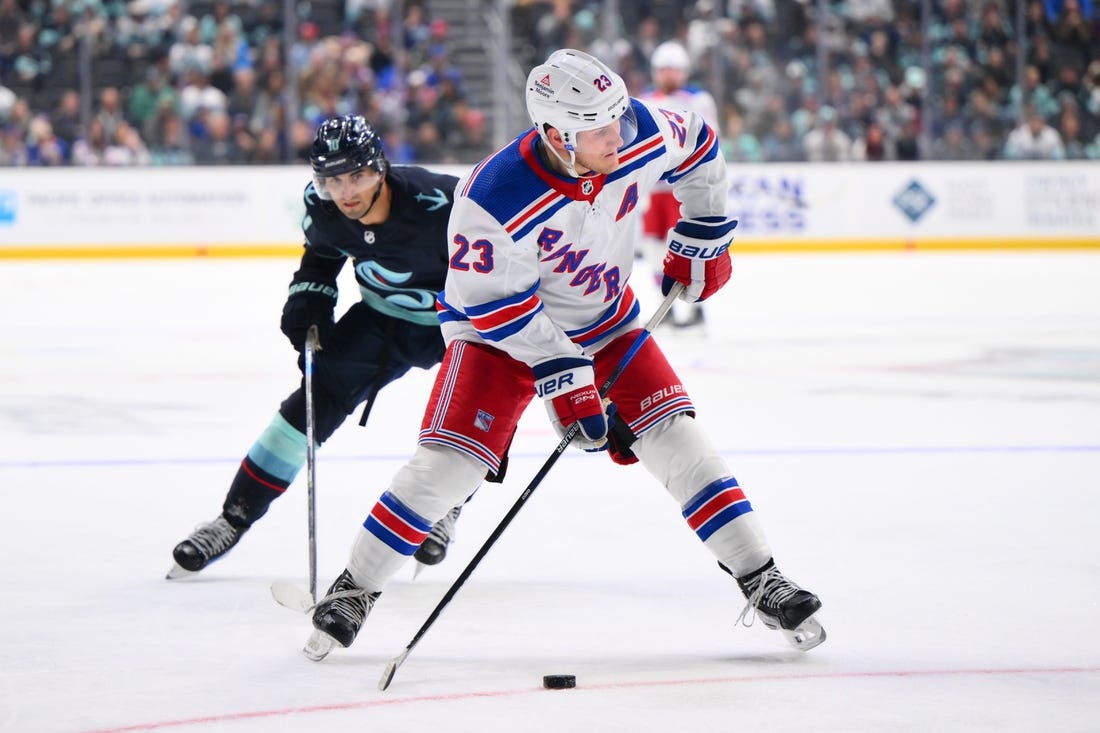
column 570, row 165
column 374, row 198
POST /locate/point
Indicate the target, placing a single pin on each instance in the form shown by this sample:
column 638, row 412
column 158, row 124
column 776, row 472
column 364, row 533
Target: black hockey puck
column 559, row 681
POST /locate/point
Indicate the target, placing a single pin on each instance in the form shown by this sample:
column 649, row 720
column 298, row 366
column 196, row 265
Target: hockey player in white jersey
column 670, row 66
column 538, row 303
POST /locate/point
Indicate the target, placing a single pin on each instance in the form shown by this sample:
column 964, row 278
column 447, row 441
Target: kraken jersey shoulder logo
column 368, row 236
column 438, row 201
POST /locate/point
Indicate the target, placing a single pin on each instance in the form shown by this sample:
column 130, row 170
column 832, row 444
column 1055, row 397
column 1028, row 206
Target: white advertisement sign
column 782, row 207
column 885, row 205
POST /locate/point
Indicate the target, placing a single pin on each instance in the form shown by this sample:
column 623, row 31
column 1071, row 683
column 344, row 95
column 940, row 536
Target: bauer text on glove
column 309, row 304
column 698, row 256
column 567, row 386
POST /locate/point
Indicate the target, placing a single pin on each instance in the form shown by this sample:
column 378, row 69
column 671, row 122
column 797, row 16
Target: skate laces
column 348, row 600
column 214, row 538
column 771, row 589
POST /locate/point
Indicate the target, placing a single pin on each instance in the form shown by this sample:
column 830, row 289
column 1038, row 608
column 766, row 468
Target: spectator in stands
column 109, row 111
column 750, row 51
column 953, row 144
column 781, row 145
column 826, row 142
column 907, row 146
column 43, row 147
column 66, row 120
column 950, row 112
column 1032, row 93
column 1034, row 139
column 987, row 146
column 189, row 52
column 168, row 141
column 150, row 95
column 28, row 64
column 142, row 31
column 738, row 144
column 13, row 149
column 1040, row 54
column 1069, row 127
column 216, row 146
column 980, row 110
column 243, row 96
column 198, row 94
column 994, row 31
column 268, row 109
column 267, row 150
column 1071, row 31
column 873, row 145
column 127, row 148
column 13, row 17
column 473, row 139
column 90, row 150
column 894, row 112
column 214, row 23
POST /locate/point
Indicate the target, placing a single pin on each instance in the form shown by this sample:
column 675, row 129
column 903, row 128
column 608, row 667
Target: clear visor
column 346, row 185
column 598, row 139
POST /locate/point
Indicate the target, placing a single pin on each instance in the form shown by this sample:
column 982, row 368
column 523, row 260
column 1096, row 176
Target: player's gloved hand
column 567, row 385
column 698, row 256
column 309, row 304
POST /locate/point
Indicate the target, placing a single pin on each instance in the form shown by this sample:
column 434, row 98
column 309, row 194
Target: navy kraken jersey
column 400, row 264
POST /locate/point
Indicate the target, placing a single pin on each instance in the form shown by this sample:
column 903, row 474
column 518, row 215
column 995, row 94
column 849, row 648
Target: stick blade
column 391, row 670
column 290, row 596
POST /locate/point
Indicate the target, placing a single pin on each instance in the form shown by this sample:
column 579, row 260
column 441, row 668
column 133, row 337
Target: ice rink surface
column 919, row 432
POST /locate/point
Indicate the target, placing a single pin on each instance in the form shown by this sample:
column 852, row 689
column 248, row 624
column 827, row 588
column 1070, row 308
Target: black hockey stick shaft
column 570, row 434
column 312, row 346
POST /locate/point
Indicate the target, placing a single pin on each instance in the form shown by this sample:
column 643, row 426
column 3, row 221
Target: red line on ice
column 388, row 701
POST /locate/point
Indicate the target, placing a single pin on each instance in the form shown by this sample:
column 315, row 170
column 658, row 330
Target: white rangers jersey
column 540, row 263
column 689, row 98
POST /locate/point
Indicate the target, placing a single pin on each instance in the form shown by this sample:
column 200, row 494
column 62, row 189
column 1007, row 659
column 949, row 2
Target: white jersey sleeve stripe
column 704, row 151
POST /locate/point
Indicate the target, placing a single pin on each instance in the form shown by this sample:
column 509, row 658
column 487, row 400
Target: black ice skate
column 781, row 605
column 434, row 547
column 205, row 545
column 338, row 616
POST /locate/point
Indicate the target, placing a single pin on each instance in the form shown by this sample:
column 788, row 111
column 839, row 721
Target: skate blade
column 808, row 635
column 318, row 645
column 176, row 572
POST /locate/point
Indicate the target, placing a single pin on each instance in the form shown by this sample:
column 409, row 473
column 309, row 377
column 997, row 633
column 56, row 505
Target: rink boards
column 249, row 211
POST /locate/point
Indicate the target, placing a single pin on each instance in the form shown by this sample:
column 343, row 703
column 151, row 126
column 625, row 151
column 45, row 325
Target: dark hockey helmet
column 345, row 144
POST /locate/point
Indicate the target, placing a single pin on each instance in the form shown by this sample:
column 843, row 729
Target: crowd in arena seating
column 205, row 82
column 762, row 60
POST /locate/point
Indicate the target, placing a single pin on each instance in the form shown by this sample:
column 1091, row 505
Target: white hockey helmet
column 574, row 92
column 670, row 55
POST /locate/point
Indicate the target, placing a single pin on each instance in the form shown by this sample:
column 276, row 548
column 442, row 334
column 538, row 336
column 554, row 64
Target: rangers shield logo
column 483, row 421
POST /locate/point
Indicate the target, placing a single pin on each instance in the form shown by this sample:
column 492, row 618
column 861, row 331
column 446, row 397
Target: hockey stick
column 654, row 321
column 312, row 346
